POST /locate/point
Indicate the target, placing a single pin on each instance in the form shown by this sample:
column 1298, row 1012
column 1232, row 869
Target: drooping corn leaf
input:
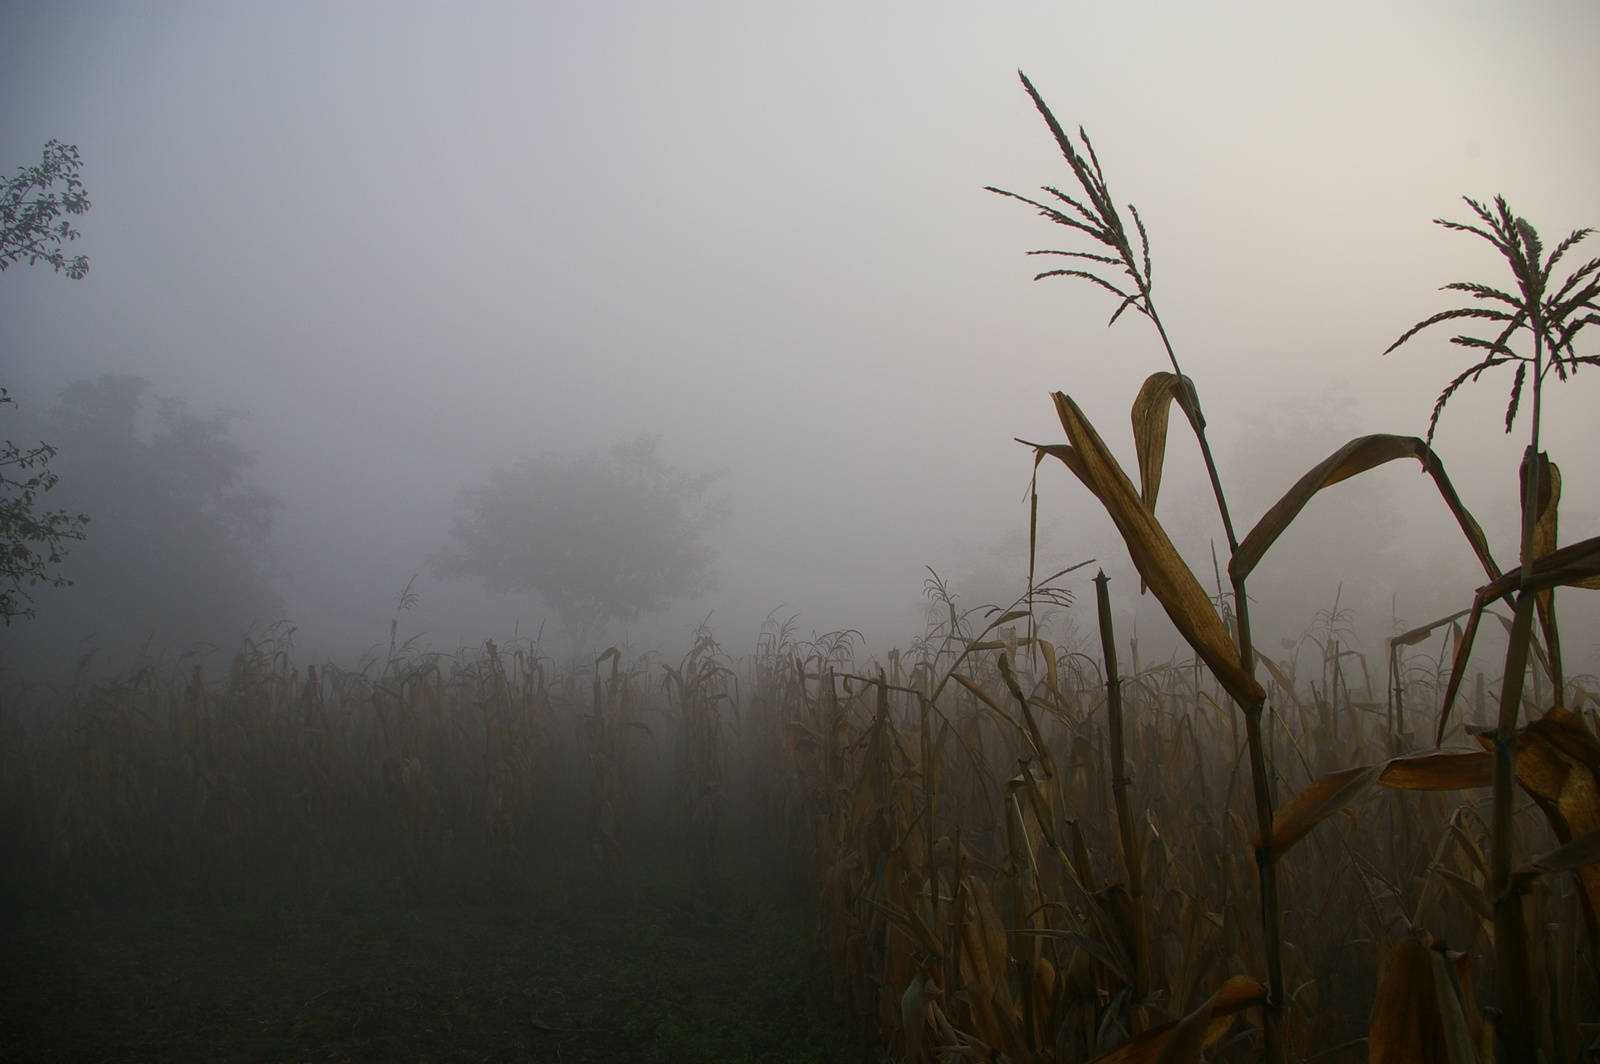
column 1575, row 565
column 1158, row 562
column 1181, row 1041
column 1581, row 852
column 1544, row 541
column 1357, row 456
column 1150, row 411
column 1446, row 770
column 1558, row 765
column 1417, row 1016
column 1417, row 635
column 1279, row 675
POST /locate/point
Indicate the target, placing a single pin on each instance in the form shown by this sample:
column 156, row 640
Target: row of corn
column 1014, row 857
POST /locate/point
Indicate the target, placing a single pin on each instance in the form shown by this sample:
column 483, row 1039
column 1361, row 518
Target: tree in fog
column 179, row 550
column 32, row 539
column 599, row 537
column 31, row 222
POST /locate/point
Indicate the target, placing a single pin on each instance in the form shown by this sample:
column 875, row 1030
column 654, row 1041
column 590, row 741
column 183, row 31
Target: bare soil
column 342, row 971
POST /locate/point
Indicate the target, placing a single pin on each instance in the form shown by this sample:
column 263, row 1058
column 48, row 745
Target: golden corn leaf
column 1544, row 532
column 1575, row 565
column 987, row 699
column 1158, row 562
column 1150, row 410
column 1357, row 456
column 1558, row 764
column 1469, row 892
column 1418, row 1017
column 1432, row 771
column 1277, row 673
column 1417, row 635
column 1581, row 852
column 1438, row 770
column 1181, row 1041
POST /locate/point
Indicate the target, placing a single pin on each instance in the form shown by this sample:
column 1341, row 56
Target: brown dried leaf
column 1544, row 531
column 1439, row 770
column 1150, row 409
column 1417, row 635
column 1316, row 802
column 1575, row 565
column 1279, row 675
column 1447, row 770
column 987, row 699
column 1357, row 456
column 1469, row 892
column 1418, row 1016
column 1581, row 852
column 1158, row 562
column 1181, row 1041
column 1558, row 764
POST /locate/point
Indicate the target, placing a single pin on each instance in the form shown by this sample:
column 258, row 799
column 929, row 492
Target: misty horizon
column 407, row 247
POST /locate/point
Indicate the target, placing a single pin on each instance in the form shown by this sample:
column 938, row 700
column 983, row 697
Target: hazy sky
column 412, row 241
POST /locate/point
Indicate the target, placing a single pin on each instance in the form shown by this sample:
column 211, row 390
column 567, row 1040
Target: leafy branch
column 31, row 222
column 29, row 542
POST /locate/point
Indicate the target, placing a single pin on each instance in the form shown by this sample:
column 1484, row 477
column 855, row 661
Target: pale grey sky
column 415, row 240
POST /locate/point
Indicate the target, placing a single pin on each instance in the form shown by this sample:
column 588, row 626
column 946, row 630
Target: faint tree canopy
column 599, row 538
column 179, row 550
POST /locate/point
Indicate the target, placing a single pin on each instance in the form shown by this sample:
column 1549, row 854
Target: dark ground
column 354, row 967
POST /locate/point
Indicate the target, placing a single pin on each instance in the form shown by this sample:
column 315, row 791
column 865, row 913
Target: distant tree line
column 179, row 545
column 179, row 549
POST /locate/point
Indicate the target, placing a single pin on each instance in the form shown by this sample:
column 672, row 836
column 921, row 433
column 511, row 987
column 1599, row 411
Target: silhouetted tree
column 31, row 227
column 179, row 551
column 598, row 538
column 31, row 542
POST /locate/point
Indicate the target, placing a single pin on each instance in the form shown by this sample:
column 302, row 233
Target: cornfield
column 1018, row 849
column 1022, row 846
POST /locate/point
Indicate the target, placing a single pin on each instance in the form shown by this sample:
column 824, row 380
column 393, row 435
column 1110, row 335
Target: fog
column 407, row 245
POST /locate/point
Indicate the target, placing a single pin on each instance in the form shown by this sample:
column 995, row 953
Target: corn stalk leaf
column 1436, row 770
column 1150, row 410
column 1417, row 635
column 1181, row 1041
column 1417, row 1017
column 1580, row 853
column 1575, row 565
column 1157, row 560
column 1357, row 456
column 1558, row 765
column 1469, row 892
column 1279, row 675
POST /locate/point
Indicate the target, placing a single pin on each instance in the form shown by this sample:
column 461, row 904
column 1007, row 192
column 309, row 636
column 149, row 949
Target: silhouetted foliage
column 598, row 537
column 31, row 226
column 180, row 541
column 30, row 542
column 1552, row 316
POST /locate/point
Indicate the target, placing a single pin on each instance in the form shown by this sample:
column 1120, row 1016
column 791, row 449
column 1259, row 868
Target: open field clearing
column 351, row 967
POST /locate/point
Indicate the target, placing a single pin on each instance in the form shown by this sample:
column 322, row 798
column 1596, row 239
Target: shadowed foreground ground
column 349, row 970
